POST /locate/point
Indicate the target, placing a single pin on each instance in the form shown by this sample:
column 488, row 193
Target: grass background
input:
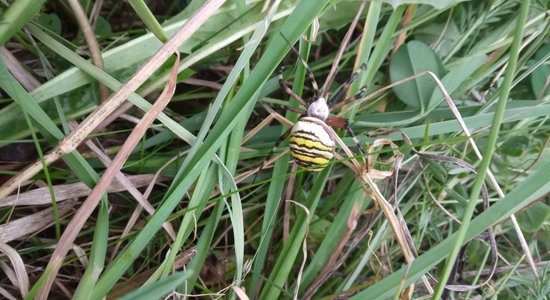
column 228, row 236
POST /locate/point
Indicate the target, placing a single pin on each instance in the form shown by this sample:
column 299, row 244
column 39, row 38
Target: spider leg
column 296, row 110
column 308, row 70
column 290, row 92
column 359, row 95
column 268, row 157
column 346, row 85
column 344, row 124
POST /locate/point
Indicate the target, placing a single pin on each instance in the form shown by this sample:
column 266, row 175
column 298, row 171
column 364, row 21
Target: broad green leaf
column 539, row 81
column 102, row 27
column 540, row 78
column 452, row 80
column 318, row 229
column 534, row 217
column 51, row 21
column 431, row 34
column 515, row 146
column 411, row 59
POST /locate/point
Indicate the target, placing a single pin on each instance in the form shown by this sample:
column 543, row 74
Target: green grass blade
column 489, row 149
column 380, row 50
column 109, row 81
column 280, row 169
column 334, row 234
column 207, row 181
column 367, row 43
column 160, row 288
column 46, row 174
column 149, row 19
column 203, row 246
column 285, row 262
column 96, row 261
column 295, row 24
column 236, row 238
column 531, row 189
column 477, row 121
column 241, row 64
column 46, row 126
column 120, row 58
column 16, row 16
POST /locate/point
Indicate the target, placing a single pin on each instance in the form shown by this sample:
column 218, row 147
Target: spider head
column 318, row 109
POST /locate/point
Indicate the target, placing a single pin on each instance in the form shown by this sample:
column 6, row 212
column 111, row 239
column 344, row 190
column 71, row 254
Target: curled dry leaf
column 18, row 268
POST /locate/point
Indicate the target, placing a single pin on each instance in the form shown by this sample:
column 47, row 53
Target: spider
column 311, row 139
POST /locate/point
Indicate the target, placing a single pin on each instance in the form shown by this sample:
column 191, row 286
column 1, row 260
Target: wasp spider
column 311, row 140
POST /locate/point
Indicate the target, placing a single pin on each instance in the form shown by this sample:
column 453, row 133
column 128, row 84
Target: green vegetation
column 197, row 209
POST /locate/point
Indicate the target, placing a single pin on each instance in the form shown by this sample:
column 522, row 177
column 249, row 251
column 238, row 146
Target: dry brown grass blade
column 93, row 46
column 18, row 268
column 81, row 255
column 90, row 123
column 33, row 223
column 288, row 196
column 371, row 189
column 393, row 220
column 18, row 71
column 278, row 116
column 76, row 137
column 91, row 202
column 241, row 293
column 304, row 247
column 41, row 196
column 112, row 117
column 6, row 294
column 407, row 17
column 492, row 179
column 258, row 127
column 132, row 189
column 332, row 263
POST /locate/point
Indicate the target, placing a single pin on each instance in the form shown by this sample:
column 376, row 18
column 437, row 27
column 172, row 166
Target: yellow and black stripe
column 311, row 145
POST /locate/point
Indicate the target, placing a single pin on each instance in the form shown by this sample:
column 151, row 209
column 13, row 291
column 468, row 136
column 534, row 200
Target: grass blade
column 489, row 149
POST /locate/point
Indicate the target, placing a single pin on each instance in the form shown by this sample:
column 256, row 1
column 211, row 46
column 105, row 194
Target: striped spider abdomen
column 311, row 144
